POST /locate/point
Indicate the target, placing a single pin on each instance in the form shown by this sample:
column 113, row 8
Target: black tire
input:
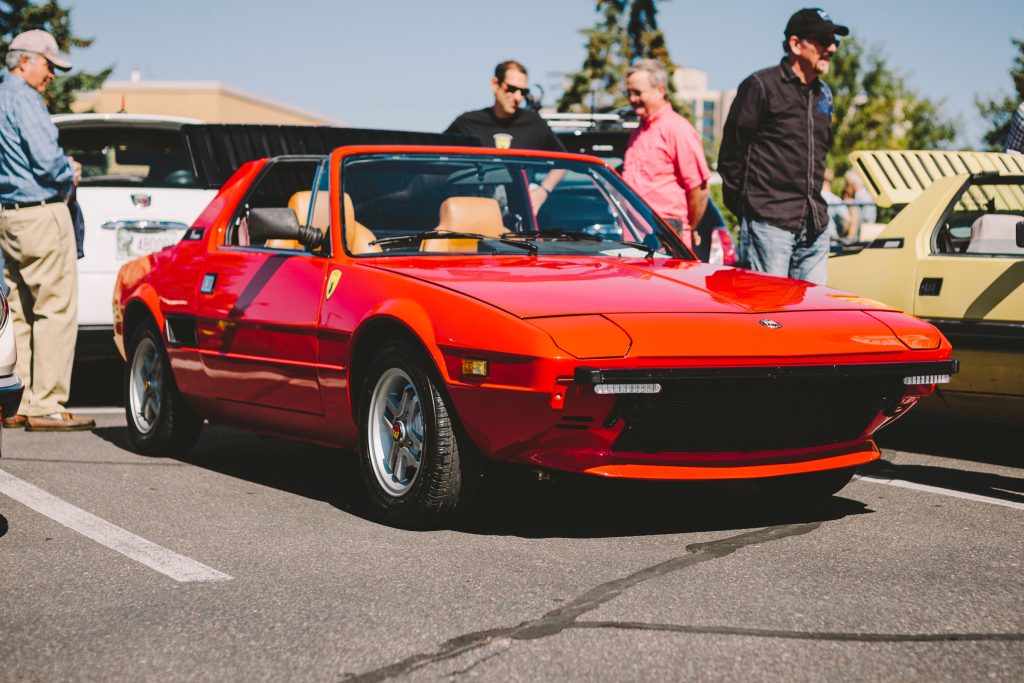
column 159, row 421
column 808, row 487
column 418, row 470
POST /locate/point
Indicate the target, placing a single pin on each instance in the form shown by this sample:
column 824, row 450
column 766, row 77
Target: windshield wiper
column 448, row 234
column 577, row 236
column 555, row 234
column 639, row 245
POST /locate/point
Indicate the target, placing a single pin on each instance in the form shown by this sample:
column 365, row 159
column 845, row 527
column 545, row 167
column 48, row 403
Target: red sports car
column 435, row 307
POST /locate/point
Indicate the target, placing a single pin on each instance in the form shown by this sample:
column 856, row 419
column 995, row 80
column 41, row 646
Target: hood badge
column 141, row 199
column 770, row 324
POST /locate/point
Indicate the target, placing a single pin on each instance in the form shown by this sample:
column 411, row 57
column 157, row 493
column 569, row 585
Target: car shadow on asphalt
column 513, row 502
column 993, row 444
column 979, row 483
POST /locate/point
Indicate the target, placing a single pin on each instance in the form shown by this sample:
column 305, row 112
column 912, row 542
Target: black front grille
column 753, row 414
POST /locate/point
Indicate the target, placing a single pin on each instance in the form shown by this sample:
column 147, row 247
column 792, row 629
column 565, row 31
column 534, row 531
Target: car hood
column 552, row 286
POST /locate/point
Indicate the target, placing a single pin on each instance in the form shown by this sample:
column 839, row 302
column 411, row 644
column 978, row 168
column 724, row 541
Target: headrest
column 472, row 214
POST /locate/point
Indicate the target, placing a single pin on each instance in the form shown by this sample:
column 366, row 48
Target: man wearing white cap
column 37, row 236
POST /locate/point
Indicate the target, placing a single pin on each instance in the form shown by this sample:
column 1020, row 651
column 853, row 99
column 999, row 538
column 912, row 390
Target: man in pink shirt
column 664, row 159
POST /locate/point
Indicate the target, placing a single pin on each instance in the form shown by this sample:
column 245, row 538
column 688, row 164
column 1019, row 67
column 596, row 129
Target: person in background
column 861, row 206
column 1015, row 138
column 664, row 159
column 507, row 125
column 772, row 159
column 838, row 214
column 37, row 236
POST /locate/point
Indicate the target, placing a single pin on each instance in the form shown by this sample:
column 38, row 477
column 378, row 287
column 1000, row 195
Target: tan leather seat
column 466, row 214
column 357, row 235
column 995, row 233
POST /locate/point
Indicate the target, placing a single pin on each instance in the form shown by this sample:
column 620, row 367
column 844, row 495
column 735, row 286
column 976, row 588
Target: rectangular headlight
column 927, row 379
column 639, row 388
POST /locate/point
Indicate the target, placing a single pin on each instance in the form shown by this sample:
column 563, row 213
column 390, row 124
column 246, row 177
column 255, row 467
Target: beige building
column 710, row 107
column 211, row 102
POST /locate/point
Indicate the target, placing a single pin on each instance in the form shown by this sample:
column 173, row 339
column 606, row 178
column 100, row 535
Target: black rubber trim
column 587, row 375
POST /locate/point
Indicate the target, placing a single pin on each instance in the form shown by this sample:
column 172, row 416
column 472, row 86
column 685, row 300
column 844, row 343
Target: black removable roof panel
column 218, row 150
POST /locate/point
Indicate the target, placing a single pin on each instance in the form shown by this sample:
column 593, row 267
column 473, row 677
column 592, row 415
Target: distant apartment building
column 709, row 107
column 211, row 102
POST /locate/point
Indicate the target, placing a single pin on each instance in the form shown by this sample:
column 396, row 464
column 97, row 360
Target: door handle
column 930, row 286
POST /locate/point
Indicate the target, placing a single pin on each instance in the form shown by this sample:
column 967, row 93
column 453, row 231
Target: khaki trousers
column 41, row 269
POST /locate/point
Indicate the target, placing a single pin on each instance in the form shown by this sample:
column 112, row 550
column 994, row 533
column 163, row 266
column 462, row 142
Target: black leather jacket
column 772, row 159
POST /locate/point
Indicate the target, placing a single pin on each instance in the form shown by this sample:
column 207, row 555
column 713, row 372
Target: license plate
column 134, row 243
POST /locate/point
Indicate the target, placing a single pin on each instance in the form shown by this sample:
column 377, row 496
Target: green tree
column 17, row 16
column 998, row 110
column 626, row 31
column 876, row 109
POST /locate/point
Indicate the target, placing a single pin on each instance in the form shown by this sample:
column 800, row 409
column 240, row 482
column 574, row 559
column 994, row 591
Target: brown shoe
column 59, row 422
column 15, row 422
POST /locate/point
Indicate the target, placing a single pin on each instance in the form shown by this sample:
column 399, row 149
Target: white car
column 138, row 195
column 11, row 387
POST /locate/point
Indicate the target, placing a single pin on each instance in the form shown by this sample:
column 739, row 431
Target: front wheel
column 417, row 469
column 159, row 421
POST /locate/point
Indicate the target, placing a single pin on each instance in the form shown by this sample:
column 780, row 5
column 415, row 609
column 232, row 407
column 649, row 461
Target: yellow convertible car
column 953, row 255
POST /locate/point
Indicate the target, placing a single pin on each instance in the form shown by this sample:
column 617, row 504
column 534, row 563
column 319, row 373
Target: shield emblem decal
column 141, row 199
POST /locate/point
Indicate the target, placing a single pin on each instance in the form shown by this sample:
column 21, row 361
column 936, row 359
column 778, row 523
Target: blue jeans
column 769, row 249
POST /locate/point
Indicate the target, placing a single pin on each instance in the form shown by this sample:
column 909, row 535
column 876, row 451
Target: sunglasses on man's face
column 514, row 89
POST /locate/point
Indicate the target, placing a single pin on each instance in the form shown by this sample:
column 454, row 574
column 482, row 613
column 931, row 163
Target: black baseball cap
column 815, row 24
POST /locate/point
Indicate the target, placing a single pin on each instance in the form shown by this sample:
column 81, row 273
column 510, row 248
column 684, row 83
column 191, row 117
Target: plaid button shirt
column 1015, row 138
column 32, row 165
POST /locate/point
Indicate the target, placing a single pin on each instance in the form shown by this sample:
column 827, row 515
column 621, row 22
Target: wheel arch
column 137, row 312
column 373, row 335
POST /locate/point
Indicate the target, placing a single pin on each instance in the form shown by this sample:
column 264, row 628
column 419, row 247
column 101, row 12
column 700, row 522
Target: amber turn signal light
column 475, row 367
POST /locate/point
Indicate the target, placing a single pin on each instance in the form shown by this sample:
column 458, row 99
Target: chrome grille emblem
column 141, row 199
column 770, row 324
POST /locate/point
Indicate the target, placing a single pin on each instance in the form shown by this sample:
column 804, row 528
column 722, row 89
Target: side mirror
column 1020, row 234
column 281, row 224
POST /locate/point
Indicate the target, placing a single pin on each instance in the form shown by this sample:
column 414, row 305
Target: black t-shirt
column 527, row 128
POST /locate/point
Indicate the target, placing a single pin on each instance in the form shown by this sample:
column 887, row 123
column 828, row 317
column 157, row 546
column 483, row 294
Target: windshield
column 129, row 157
column 428, row 203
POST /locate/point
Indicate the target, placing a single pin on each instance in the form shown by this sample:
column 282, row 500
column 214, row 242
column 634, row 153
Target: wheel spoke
column 391, row 461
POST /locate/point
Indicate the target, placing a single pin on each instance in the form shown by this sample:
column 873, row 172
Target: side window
column 983, row 221
column 284, row 183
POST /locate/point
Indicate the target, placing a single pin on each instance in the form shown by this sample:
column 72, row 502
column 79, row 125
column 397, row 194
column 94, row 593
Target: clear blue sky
column 416, row 64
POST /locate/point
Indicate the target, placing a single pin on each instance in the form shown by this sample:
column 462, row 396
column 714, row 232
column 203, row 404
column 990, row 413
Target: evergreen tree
column 627, row 31
column 876, row 109
column 999, row 110
column 17, row 16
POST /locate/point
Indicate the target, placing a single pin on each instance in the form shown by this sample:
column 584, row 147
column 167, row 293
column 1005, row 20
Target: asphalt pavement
column 256, row 559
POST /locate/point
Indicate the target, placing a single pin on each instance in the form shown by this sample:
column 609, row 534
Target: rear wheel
column 808, row 487
column 417, row 469
column 159, row 421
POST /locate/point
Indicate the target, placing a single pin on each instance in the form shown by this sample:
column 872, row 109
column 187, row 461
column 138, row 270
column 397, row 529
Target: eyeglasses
column 823, row 44
column 514, row 89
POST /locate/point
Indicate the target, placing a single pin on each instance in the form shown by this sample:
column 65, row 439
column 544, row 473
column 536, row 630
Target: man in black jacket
column 772, row 159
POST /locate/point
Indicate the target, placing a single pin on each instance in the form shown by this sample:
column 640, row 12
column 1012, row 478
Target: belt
column 28, row 205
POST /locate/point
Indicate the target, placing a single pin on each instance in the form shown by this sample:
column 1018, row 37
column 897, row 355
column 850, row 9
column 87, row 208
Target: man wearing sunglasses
column 772, row 158
column 507, row 125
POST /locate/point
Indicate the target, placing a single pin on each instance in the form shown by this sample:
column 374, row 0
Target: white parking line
column 178, row 567
column 941, row 491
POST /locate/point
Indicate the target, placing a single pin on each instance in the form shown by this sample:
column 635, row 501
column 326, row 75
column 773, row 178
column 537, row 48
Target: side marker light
column 475, row 367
